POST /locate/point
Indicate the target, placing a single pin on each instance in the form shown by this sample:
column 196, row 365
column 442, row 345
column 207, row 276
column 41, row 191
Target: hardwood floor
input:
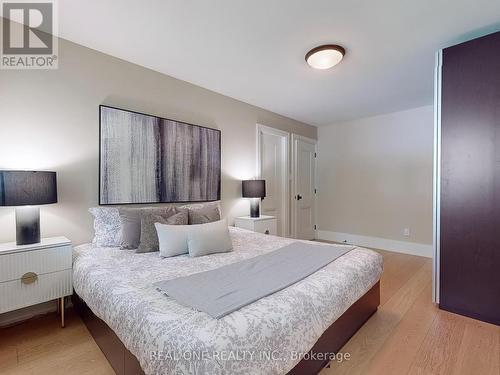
column 40, row 346
column 408, row 335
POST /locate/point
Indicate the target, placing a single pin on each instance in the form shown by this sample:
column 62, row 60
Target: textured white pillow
column 209, row 238
column 173, row 239
column 107, row 226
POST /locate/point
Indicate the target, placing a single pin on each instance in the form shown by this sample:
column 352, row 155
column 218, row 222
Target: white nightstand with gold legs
column 32, row 274
column 263, row 224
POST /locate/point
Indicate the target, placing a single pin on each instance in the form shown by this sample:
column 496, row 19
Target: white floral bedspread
column 265, row 337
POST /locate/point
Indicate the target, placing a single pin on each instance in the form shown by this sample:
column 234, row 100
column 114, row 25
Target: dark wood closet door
column 470, row 179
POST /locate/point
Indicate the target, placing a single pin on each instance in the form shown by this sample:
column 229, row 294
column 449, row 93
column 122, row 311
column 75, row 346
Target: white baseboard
column 404, row 247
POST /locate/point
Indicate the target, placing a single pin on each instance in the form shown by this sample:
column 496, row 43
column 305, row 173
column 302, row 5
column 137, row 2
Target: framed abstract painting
column 149, row 159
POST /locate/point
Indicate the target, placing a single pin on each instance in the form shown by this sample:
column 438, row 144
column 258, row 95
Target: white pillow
column 209, row 238
column 107, row 226
column 173, row 239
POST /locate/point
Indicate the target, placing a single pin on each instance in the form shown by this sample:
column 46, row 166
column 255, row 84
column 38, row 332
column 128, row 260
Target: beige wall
column 375, row 176
column 49, row 120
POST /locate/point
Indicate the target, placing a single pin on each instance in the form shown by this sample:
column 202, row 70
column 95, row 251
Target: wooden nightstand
column 32, row 274
column 263, row 224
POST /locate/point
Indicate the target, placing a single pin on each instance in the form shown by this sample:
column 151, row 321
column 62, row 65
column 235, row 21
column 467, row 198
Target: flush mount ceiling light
column 325, row 57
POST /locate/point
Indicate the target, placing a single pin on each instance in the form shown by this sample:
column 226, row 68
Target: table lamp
column 255, row 189
column 26, row 190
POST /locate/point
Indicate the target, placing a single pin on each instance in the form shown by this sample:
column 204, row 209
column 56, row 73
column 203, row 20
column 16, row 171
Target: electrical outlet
column 406, row 232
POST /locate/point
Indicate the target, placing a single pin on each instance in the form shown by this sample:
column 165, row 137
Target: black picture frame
column 100, row 200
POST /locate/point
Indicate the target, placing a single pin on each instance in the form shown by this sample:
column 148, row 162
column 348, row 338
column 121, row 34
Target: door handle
column 299, row 197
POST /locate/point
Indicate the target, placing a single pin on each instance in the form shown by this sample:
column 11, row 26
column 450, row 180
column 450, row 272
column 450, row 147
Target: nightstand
column 262, row 224
column 32, row 274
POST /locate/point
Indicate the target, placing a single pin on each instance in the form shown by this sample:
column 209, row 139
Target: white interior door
column 272, row 166
column 304, row 188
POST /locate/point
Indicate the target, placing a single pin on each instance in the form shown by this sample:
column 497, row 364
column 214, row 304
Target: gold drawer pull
column 29, row 278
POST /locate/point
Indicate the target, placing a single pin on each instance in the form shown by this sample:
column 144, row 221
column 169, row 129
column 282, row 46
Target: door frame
column 285, row 182
column 293, row 205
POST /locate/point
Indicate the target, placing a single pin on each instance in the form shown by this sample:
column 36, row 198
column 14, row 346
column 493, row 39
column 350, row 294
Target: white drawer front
column 266, row 227
column 15, row 295
column 245, row 224
column 13, row 266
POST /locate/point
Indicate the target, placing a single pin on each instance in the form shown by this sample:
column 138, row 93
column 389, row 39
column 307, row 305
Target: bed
column 142, row 331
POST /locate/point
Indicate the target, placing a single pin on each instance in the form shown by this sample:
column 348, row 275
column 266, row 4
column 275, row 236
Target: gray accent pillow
column 203, row 215
column 149, row 237
column 130, row 219
column 210, row 238
column 107, row 226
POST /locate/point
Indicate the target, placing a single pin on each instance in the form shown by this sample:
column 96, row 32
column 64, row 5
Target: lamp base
column 27, row 225
column 254, row 207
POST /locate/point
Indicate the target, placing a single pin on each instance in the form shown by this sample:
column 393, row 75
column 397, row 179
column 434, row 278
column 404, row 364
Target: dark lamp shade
column 253, row 189
column 25, row 188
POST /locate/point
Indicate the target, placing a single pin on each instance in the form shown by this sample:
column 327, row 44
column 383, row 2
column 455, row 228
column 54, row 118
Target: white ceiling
column 253, row 50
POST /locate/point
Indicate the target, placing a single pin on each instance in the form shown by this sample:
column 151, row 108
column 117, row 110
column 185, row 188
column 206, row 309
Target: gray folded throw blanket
column 226, row 289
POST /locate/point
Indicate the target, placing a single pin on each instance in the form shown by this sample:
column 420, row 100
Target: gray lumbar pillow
column 173, row 239
column 149, row 237
column 130, row 219
column 210, row 238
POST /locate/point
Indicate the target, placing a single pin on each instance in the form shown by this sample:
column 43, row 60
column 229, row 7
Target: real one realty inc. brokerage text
column 246, row 355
